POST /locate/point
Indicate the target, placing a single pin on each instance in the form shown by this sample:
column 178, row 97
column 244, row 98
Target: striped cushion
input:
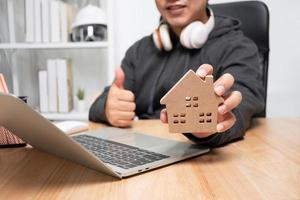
column 7, row 138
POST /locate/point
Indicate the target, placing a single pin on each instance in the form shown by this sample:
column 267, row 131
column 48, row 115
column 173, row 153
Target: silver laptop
column 113, row 151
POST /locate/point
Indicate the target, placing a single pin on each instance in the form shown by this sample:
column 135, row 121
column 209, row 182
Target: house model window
column 179, row 118
column 192, row 104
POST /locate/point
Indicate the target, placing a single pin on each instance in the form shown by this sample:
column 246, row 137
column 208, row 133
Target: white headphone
column 193, row 36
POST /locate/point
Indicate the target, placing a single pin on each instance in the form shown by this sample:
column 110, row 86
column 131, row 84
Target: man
column 147, row 73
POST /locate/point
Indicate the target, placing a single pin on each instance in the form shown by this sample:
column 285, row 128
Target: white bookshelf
column 67, row 45
column 67, row 116
column 93, row 60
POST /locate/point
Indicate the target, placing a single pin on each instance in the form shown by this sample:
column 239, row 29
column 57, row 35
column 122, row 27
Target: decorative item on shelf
column 80, row 100
column 90, row 25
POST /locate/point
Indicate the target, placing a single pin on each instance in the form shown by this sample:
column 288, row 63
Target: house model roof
column 192, row 104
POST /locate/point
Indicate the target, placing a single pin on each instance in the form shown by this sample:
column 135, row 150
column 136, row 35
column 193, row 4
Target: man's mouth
column 176, row 8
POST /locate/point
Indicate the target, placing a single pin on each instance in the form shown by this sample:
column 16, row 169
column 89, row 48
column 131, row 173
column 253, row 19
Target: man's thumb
column 120, row 78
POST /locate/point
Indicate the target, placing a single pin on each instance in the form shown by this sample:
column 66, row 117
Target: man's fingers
column 164, row 116
column 123, row 123
column 223, row 84
column 231, row 101
column 126, row 95
column 122, row 105
column 125, row 106
column 227, row 123
column 121, row 94
column 124, row 115
column 119, row 78
column 204, row 70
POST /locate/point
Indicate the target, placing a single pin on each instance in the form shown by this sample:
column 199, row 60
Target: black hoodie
column 150, row 73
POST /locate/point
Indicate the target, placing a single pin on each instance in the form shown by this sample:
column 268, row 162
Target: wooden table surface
column 265, row 165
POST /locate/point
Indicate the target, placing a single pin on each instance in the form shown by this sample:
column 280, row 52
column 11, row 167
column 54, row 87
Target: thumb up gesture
column 120, row 105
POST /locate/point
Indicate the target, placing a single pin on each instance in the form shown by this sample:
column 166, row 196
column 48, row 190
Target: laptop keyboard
column 114, row 153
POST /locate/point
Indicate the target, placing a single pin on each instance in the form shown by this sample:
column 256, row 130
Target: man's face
column 180, row 13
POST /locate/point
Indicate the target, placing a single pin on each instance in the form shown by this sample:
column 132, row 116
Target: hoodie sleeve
column 97, row 110
column 240, row 59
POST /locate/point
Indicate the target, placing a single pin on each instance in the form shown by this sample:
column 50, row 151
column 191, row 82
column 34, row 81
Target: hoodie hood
column 224, row 25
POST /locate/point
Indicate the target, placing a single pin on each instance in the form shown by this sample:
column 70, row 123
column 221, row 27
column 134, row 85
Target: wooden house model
column 192, row 105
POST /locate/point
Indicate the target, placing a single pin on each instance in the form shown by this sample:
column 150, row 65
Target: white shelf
column 66, row 116
column 66, row 45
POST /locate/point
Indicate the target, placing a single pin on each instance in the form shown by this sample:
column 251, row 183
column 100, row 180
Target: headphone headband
column 210, row 24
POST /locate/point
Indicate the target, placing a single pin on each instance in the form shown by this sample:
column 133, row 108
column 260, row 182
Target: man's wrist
column 203, row 135
column 210, row 140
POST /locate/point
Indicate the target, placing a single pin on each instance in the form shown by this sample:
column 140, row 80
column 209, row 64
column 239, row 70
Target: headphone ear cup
column 194, row 35
column 199, row 35
column 165, row 37
column 161, row 38
column 185, row 37
column 156, row 39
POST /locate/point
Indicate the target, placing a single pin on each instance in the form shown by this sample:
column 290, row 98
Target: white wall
column 284, row 81
column 135, row 19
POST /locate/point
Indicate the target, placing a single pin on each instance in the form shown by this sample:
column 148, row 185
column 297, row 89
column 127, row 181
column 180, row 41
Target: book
column 52, row 86
column 63, row 22
column 37, row 21
column 54, row 21
column 11, row 21
column 45, row 5
column 64, row 83
column 43, row 90
column 29, row 19
column 71, row 13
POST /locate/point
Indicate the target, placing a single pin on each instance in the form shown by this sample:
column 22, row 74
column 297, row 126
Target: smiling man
column 188, row 37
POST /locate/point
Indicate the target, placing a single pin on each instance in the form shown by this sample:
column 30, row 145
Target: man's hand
column 226, row 118
column 120, row 105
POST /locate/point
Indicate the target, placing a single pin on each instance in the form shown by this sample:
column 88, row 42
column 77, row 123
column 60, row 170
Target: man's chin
column 177, row 22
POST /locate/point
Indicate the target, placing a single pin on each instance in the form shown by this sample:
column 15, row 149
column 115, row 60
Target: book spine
column 45, row 20
column 70, row 84
column 52, row 85
column 71, row 12
column 11, row 21
column 54, row 21
column 61, row 83
column 38, row 21
column 63, row 23
column 43, row 89
column 64, row 74
column 29, row 18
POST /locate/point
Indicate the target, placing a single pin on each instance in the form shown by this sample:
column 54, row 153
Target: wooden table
column 265, row 165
